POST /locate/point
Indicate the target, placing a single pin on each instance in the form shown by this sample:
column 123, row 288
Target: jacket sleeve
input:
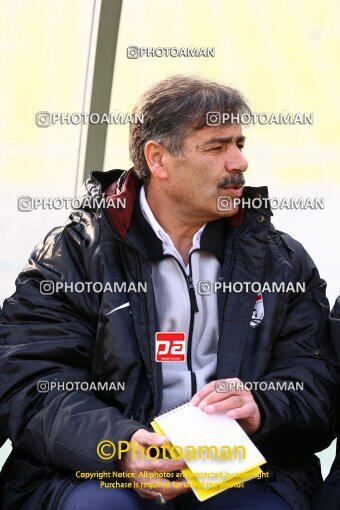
column 334, row 327
column 300, row 420
column 47, row 336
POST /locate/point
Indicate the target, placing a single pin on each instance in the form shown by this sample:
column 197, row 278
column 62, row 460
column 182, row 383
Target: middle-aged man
column 172, row 234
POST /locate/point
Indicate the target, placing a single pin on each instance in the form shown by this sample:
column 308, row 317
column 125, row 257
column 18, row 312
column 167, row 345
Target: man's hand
column 235, row 401
column 135, row 465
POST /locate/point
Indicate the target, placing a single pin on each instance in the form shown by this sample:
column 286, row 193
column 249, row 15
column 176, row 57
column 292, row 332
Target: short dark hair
column 174, row 107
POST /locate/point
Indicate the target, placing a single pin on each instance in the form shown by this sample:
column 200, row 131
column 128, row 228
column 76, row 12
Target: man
column 181, row 229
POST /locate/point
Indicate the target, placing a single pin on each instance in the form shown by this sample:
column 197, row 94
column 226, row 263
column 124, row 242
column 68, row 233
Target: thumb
column 144, row 437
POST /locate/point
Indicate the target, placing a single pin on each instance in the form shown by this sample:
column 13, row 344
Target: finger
column 146, row 493
column 160, row 465
column 155, row 484
column 220, row 386
column 227, row 385
column 226, row 405
column 159, row 487
column 175, row 489
column 248, row 411
column 214, row 397
column 208, row 388
column 146, row 438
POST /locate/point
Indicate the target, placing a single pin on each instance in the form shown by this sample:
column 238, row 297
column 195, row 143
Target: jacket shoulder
column 292, row 251
column 75, row 240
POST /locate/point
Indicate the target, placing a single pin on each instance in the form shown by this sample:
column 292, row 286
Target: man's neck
column 179, row 228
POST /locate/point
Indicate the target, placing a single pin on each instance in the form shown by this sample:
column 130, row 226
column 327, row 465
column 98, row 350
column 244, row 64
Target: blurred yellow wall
column 282, row 54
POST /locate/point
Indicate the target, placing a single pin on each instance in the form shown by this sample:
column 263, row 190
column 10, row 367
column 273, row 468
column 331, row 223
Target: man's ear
column 154, row 154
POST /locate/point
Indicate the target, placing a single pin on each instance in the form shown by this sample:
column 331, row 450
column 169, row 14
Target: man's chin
column 227, row 213
column 227, row 205
column 218, row 214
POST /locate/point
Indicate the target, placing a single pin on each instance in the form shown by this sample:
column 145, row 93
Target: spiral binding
column 173, row 410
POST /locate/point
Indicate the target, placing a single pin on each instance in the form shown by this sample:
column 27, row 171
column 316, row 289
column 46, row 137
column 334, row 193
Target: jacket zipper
column 193, row 310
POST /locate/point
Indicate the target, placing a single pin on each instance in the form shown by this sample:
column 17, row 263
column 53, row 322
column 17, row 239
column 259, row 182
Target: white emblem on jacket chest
column 258, row 311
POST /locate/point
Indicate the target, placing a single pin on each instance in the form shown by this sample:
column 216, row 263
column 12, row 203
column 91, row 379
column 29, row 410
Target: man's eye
column 240, row 146
column 216, row 148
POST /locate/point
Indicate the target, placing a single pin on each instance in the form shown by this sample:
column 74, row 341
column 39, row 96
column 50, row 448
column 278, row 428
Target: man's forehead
column 219, row 134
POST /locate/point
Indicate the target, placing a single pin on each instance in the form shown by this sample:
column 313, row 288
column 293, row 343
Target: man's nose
column 235, row 161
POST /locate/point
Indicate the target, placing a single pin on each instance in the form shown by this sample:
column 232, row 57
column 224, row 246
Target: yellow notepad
column 218, row 453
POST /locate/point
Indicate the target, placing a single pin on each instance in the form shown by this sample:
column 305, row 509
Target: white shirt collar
column 159, row 231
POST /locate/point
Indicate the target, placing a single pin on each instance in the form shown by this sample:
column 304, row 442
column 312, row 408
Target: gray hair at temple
column 175, row 107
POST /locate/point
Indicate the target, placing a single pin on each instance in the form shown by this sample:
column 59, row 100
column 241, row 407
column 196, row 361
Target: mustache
column 233, row 180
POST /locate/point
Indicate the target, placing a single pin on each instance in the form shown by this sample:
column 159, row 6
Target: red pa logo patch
column 170, row 346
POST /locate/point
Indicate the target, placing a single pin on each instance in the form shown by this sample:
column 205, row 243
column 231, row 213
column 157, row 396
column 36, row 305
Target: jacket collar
column 119, row 184
column 212, row 238
column 125, row 186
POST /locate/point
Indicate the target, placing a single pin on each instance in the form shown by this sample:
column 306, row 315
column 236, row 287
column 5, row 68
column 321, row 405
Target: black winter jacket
column 328, row 496
column 69, row 337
